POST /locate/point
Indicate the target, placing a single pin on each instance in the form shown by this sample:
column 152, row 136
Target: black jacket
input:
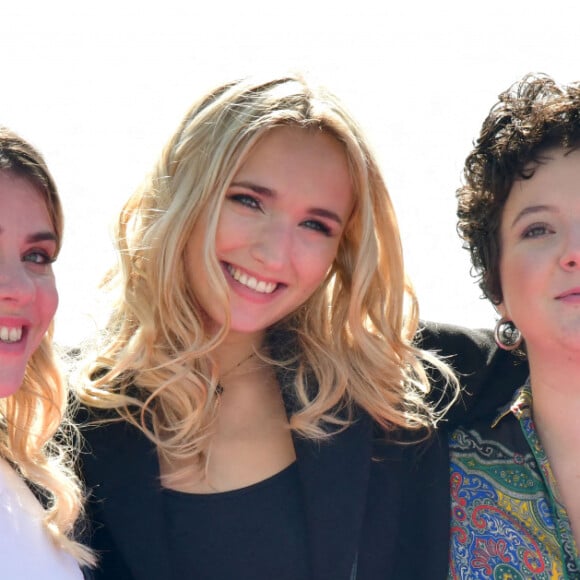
column 375, row 510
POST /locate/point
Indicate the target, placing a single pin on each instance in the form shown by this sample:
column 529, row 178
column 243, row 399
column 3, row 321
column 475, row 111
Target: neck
column 556, row 391
column 558, row 370
column 555, row 384
column 236, row 357
column 236, row 347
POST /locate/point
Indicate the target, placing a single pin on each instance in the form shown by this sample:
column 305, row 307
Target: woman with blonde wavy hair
column 37, row 539
column 246, row 402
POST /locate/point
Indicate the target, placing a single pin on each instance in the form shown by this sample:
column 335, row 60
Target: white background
column 99, row 87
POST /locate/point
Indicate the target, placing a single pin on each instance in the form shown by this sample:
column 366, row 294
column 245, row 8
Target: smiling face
column 28, row 296
column 540, row 254
column 279, row 229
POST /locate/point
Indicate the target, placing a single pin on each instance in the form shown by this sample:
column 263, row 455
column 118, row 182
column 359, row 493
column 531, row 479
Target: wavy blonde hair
column 352, row 338
column 35, row 435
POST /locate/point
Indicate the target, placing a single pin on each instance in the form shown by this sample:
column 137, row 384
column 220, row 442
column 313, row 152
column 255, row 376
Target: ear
column 501, row 310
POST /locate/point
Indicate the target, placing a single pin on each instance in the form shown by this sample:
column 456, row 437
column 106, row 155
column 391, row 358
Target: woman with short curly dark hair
column 534, row 115
column 514, row 476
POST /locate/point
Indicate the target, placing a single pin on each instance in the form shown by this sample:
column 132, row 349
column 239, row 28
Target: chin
column 246, row 329
column 9, row 386
column 249, row 327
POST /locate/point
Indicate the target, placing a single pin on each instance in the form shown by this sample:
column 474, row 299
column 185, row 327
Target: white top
column 26, row 550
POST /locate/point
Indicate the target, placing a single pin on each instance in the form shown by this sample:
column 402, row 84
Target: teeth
column 10, row 334
column 251, row 282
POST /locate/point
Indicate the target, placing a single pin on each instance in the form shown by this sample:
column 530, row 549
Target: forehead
column 286, row 149
column 552, row 190
column 22, row 202
column 556, row 175
column 295, row 137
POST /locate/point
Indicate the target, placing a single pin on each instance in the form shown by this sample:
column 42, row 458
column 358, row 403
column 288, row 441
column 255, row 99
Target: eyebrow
column 38, row 237
column 267, row 192
column 530, row 210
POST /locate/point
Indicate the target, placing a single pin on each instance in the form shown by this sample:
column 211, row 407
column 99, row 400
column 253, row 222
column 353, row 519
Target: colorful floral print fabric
column 507, row 522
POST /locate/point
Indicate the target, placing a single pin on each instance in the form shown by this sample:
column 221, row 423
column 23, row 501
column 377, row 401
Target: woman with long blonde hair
column 37, row 537
column 258, row 370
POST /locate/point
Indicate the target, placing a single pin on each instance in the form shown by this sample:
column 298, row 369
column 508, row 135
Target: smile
column 251, row 282
column 10, row 335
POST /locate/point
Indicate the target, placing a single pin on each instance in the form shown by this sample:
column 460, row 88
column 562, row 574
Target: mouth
column 260, row 286
column 573, row 292
column 12, row 334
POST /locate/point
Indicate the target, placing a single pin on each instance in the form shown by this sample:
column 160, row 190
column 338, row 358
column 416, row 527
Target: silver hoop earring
column 506, row 334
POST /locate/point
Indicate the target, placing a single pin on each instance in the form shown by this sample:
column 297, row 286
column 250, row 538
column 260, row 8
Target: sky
column 99, row 87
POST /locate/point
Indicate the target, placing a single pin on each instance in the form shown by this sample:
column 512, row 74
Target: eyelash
column 45, row 258
column 319, row 227
column 254, row 203
column 529, row 232
column 247, row 200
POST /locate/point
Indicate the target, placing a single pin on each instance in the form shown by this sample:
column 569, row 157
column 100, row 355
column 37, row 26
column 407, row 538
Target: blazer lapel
column 334, row 475
column 123, row 473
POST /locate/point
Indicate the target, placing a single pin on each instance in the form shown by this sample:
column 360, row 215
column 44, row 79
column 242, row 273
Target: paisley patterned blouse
column 507, row 522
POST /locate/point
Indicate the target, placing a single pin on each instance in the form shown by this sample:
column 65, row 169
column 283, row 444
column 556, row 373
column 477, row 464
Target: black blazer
column 374, row 509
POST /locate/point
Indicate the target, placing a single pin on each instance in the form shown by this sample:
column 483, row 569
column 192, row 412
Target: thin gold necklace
column 219, row 389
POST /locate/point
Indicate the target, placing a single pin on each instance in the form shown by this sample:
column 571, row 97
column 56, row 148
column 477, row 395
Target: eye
column 537, row 230
column 245, row 199
column 317, row 226
column 39, row 257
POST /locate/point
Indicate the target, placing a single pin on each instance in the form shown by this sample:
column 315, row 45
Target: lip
column 14, row 321
column 571, row 295
column 11, row 349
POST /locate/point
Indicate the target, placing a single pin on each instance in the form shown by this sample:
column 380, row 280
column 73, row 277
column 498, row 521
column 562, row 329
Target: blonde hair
column 35, row 435
column 352, row 338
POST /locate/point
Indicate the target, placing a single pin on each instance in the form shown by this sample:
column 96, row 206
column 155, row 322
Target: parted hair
column 353, row 336
column 534, row 115
column 36, row 436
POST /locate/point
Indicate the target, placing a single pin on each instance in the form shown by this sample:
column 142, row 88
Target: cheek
column 517, row 270
column 47, row 302
column 518, row 276
column 233, row 232
column 315, row 267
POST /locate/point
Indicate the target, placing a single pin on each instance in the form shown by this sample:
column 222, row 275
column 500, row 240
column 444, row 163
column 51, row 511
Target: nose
column 570, row 258
column 272, row 245
column 15, row 283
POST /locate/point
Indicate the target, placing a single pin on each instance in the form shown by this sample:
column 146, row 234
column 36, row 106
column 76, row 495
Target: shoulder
column 408, row 495
column 488, row 375
column 26, row 549
column 490, row 438
column 110, row 446
column 99, row 426
column 450, row 340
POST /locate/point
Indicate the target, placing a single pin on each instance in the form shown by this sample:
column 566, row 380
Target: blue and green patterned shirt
column 507, row 522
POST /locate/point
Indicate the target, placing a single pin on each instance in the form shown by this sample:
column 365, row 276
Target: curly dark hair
column 535, row 114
